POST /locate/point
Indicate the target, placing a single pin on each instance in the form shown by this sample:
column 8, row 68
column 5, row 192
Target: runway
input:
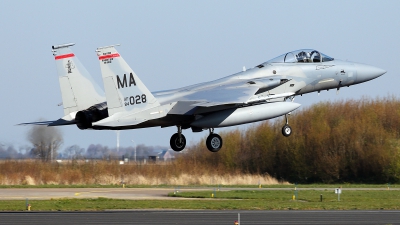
column 117, row 193
column 197, row 217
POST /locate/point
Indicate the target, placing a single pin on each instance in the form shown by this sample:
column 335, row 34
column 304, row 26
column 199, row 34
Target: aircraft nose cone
column 367, row 72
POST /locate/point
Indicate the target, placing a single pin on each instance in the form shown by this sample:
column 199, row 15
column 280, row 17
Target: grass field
column 306, row 199
column 245, row 200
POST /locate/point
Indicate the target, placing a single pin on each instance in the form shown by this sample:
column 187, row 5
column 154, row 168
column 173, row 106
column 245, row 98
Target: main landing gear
column 178, row 141
column 214, row 141
column 286, row 129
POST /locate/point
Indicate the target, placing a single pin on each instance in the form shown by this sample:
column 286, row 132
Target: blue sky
column 170, row 44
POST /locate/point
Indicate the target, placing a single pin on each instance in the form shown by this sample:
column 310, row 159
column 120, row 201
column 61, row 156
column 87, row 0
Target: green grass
column 244, row 200
column 306, row 199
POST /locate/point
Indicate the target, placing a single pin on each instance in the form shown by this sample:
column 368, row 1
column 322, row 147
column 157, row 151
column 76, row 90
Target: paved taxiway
column 118, row 193
column 197, row 217
column 123, row 193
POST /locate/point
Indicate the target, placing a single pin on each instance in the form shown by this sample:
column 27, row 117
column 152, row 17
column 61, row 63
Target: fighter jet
column 266, row 91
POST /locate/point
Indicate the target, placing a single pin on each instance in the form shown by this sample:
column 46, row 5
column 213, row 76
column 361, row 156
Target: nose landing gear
column 214, row 141
column 286, row 129
column 178, row 140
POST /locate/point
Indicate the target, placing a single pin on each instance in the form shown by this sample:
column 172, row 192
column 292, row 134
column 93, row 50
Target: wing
column 238, row 92
column 221, row 96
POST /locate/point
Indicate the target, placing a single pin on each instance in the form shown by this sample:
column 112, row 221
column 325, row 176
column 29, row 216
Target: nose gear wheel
column 286, row 129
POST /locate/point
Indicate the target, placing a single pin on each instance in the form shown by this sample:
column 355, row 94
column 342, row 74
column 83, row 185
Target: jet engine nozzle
column 85, row 118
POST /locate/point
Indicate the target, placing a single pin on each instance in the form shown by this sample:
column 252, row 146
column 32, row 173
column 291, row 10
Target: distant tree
column 46, row 141
column 9, row 152
column 74, row 152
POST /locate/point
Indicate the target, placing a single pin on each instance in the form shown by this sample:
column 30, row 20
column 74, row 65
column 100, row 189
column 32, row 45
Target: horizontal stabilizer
column 62, row 122
column 59, row 122
column 45, row 123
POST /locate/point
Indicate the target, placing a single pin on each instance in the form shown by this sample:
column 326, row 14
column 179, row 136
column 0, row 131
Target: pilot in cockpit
column 303, row 57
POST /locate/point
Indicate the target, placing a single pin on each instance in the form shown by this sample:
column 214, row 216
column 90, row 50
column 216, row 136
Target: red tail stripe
column 65, row 56
column 109, row 56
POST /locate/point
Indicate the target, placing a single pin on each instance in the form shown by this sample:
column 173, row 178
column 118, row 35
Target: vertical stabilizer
column 124, row 90
column 78, row 89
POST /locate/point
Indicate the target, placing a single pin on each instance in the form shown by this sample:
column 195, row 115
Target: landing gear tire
column 286, row 130
column 177, row 142
column 214, row 142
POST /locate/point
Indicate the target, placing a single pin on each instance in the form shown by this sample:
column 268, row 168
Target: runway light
column 27, row 204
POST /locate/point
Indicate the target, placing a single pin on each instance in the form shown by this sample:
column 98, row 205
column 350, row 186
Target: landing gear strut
column 286, row 129
column 214, row 141
column 178, row 141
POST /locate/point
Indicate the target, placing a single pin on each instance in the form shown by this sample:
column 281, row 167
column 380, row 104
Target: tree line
column 46, row 143
column 343, row 141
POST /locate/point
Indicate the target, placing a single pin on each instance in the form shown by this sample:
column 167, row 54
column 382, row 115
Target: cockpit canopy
column 301, row 56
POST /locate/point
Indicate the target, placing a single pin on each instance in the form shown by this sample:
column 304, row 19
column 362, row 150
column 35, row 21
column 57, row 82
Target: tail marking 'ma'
column 123, row 83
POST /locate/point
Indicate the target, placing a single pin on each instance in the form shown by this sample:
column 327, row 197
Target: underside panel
column 236, row 116
column 167, row 121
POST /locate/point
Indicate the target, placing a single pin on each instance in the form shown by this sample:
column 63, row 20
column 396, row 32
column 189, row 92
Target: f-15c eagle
column 260, row 93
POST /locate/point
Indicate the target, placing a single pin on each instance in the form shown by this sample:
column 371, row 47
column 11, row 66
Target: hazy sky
column 170, row 44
